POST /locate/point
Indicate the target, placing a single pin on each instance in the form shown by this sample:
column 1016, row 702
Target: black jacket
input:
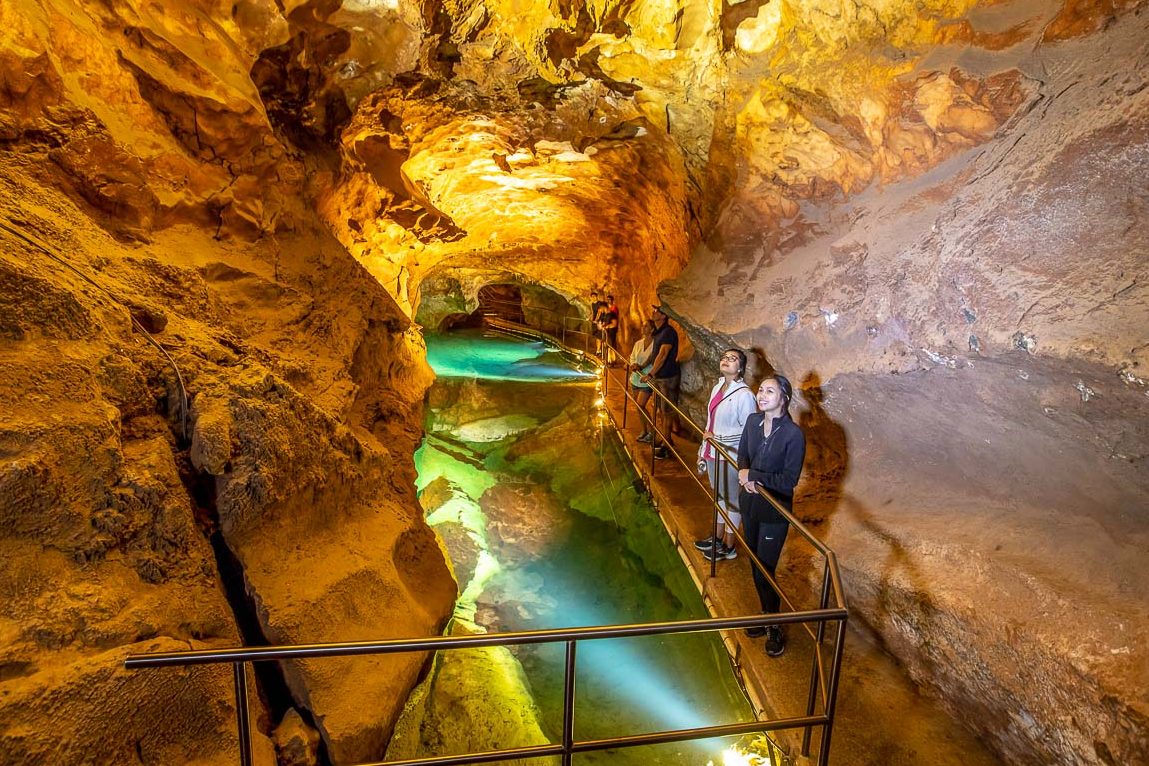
column 774, row 462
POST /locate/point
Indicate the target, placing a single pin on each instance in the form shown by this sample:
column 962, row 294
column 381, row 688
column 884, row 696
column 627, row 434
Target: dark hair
column 649, row 326
column 610, row 298
column 742, row 359
column 785, row 385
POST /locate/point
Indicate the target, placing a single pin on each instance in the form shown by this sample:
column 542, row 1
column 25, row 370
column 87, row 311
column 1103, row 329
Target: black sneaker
column 775, row 641
column 703, row 545
column 661, row 453
column 646, row 438
column 721, row 553
column 756, row 632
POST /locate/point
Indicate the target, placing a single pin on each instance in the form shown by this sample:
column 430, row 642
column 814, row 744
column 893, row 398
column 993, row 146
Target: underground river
column 546, row 526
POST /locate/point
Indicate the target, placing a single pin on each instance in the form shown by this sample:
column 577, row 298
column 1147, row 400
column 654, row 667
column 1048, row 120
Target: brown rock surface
column 931, row 213
column 287, row 427
column 973, row 344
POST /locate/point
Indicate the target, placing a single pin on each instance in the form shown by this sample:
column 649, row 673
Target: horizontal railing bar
column 394, row 646
column 705, row 732
column 635, row 740
column 487, row 756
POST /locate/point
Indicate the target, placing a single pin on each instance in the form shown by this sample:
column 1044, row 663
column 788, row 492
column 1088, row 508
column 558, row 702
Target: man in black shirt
column 666, row 375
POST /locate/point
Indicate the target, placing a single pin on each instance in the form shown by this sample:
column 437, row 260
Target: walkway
column 882, row 719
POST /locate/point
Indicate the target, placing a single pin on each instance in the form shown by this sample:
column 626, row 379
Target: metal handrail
column 721, row 449
column 831, row 576
column 480, row 640
column 831, row 579
column 588, row 334
column 239, row 657
column 571, row 636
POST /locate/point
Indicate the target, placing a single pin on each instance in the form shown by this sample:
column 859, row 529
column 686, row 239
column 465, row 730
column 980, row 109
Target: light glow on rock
column 367, row 6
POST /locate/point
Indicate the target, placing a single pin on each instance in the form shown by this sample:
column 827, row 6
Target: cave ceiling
column 574, row 144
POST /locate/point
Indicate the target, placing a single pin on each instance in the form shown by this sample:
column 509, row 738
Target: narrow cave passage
column 546, row 527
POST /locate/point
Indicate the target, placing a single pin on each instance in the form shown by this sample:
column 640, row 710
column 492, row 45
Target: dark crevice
column 273, row 689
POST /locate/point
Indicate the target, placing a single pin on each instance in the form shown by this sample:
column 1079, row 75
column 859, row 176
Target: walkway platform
column 882, row 718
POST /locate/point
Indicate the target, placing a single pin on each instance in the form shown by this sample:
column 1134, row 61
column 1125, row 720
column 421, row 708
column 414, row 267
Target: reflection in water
column 546, row 527
column 456, row 355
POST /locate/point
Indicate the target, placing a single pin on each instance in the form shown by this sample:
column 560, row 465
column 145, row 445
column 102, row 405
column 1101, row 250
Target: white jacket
column 729, row 416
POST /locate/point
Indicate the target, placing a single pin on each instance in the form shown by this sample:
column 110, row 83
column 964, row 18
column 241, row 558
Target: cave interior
column 226, row 227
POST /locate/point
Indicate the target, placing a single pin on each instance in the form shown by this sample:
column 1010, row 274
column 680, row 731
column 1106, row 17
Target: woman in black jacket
column 770, row 457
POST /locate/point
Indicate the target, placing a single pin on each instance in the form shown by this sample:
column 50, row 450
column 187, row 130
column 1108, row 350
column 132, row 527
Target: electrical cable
column 35, row 242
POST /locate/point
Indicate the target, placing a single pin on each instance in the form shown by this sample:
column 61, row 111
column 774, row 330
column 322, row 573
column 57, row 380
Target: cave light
column 367, row 6
column 735, row 756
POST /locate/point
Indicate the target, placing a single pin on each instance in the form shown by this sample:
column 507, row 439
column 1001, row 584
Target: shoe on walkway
column 719, row 553
column 703, row 545
column 775, row 641
column 646, row 437
column 661, row 453
column 756, row 632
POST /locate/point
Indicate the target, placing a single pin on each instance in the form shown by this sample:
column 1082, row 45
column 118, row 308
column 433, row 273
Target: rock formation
column 219, row 220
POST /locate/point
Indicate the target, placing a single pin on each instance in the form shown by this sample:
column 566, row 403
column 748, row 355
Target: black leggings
column 765, row 530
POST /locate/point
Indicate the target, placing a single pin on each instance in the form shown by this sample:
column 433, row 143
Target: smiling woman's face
column 770, row 396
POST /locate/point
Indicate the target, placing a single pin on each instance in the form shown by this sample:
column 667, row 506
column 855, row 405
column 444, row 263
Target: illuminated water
column 547, row 527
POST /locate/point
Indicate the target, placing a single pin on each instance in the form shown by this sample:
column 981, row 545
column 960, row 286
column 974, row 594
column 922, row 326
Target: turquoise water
column 457, row 355
column 547, row 527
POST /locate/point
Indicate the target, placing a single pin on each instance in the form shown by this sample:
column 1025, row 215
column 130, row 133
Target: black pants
column 669, row 388
column 765, row 530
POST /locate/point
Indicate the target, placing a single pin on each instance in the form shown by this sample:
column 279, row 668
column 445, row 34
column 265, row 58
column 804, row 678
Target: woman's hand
column 708, row 435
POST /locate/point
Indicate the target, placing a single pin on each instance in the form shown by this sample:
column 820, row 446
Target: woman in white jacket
column 731, row 403
column 640, row 363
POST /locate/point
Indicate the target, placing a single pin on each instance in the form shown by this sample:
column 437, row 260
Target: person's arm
column 638, row 354
column 659, row 360
column 744, row 407
column 784, row 480
column 744, row 450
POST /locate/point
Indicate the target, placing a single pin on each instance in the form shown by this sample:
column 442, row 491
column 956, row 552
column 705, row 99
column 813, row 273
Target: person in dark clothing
column 597, row 307
column 608, row 320
column 770, row 457
column 667, row 376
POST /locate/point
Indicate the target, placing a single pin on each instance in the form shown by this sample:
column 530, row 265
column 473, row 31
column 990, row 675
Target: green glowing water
column 546, row 527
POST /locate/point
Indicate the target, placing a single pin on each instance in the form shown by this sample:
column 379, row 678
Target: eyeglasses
column 730, row 358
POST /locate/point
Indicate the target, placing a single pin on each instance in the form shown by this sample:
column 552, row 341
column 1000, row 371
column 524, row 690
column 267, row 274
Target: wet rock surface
column 110, row 501
column 864, row 194
column 550, row 558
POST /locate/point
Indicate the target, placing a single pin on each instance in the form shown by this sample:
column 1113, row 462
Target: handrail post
column 568, row 703
column 714, row 525
column 625, row 393
column 817, row 670
column 654, row 438
column 832, row 694
column 241, row 713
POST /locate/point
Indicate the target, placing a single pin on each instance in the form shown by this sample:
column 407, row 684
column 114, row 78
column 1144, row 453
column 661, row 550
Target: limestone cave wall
column 931, row 215
column 209, row 406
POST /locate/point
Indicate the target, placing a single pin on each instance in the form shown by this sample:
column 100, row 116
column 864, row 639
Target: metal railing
column 571, row 332
column 823, row 685
column 571, row 636
column 823, row 679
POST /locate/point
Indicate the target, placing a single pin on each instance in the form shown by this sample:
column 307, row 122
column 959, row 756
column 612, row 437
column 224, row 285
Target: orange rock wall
column 136, row 147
